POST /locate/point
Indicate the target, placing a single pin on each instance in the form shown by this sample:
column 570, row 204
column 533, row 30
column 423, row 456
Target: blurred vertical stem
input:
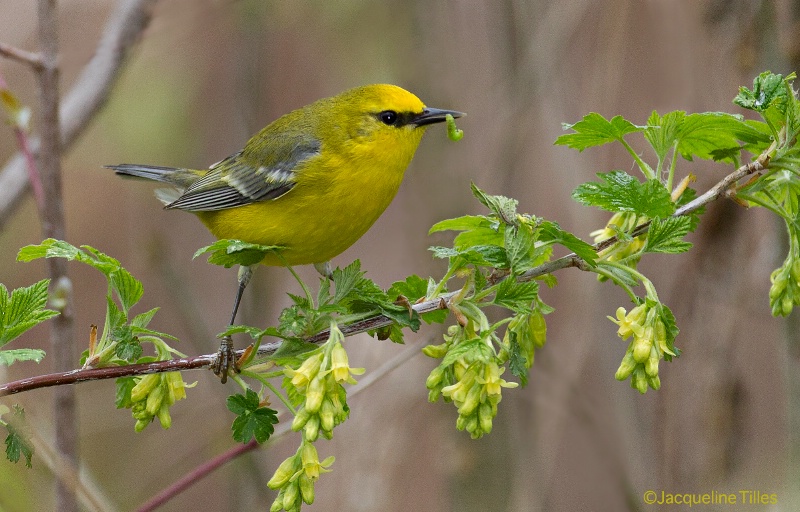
column 53, row 226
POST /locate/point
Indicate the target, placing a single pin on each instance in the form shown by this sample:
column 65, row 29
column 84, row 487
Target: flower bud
column 164, row 417
column 146, row 384
column 300, row 419
column 154, row 400
column 306, row 489
column 285, row 471
column 641, row 346
column 311, row 429
column 626, row 367
column 315, row 394
column 435, row 351
column 651, row 366
column 290, row 493
column 485, row 417
column 327, row 415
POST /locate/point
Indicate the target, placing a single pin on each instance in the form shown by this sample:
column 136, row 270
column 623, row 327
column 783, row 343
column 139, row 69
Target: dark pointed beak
column 434, row 115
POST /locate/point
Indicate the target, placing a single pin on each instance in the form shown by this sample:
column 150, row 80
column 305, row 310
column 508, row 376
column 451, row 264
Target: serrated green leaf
column 8, row 357
column 516, row 361
column 620, row 192
column 471, row 350
column 143, row 319
column 519, row 246
column 346, row 280
column 552, row 233
column 706, row 135
column 252, row 421
column 464, row 223
column 16, row 442
column 768, row 90
column 122, row 398
column 504, row 207
column 478, row 236
column 662, row 131
column 596, row 130
column 516, row 296
column 666, row 235
column 50, row 248
column 227, row 253
column 23, row 309
column 413, row 288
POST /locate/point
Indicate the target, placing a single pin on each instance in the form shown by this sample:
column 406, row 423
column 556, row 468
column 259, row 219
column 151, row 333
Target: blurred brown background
column 210, row 73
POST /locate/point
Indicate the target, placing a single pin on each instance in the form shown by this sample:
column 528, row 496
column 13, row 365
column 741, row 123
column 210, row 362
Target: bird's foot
column 226, row 359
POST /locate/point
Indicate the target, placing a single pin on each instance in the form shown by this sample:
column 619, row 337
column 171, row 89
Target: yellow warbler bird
column 312, row 182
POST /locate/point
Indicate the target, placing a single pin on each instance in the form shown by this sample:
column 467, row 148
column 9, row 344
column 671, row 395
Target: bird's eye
column 388, row 117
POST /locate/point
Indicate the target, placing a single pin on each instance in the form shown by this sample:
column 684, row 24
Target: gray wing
column 249, row 176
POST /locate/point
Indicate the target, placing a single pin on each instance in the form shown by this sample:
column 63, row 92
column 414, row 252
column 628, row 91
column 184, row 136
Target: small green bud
column 311, row 429
column 435, row 378
column 327, row 415
column 654, row 382
column 315, row 394
column 142, row 389
column 290, row 494
column 435, row 351
column 538, row 329
column 300, row 419
column 651, row 366
column 163, row 416
column 639, row 380
column 485, row 417
column 285, row 471
column 471, row 401
column 642, row 345
column 626, row 367
column 154, row 400
column 306, row 489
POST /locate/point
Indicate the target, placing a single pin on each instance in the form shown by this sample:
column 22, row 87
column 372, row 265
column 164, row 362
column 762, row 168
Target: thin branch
column 30, row 58
column 87, row 96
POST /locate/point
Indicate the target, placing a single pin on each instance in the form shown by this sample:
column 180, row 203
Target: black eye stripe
column 393, row 118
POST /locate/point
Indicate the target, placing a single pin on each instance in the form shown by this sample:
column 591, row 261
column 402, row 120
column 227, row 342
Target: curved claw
column 226, row 359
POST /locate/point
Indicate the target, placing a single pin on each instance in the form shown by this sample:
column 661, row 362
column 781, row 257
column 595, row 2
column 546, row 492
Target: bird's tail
column 178, row 177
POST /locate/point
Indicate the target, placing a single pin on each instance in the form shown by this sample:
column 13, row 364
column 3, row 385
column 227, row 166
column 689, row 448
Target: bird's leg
column 225, row 355
column 324, row 269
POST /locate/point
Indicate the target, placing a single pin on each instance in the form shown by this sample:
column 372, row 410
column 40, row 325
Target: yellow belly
column 323, row 214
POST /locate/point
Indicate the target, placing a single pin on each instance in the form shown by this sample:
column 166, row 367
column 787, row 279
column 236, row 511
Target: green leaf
column 666, row 235
column 516, row 361
column 662, row 132
column 413, row 288
column 8, row 357
column 236, row 252
column 715, row 136
column 516, row 296
column 504, row 207
column 471, row 350
column 122, row 398
column 672, row 330
column 23, row 309
column 465, row 223
column 595, row 130
column 519, row 245
column 620, row 192
column 768, row 90
column 552, row 233
column 16, row 441
column 252, row 421
column 143, row 319
column 346, row 280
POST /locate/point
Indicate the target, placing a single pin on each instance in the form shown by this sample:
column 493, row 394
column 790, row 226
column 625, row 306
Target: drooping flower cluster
column 153, row 395
column 317, row 383
column 784, row 293
column 649, row 345
column 472, row 382
column 295, row 478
